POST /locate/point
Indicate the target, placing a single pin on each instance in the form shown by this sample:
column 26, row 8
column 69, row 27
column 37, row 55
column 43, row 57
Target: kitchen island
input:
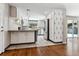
column 23, row 36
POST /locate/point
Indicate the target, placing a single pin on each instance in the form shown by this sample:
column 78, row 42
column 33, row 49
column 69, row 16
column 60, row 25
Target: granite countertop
column 23, row 30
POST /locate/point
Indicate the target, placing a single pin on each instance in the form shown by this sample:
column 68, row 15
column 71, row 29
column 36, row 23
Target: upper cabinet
column 12, row 11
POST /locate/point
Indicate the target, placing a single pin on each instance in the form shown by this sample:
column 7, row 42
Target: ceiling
column 42, row 9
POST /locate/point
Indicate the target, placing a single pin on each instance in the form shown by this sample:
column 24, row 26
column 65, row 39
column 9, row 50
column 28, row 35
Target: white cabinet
column 22, row 37
column 12, row 11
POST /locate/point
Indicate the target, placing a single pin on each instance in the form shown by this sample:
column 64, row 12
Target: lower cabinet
column 22, row 37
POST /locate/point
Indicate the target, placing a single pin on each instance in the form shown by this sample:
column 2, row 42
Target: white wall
column 1, row 22
column 22, row 12
column 4, row 17
column 12, row 24
column 72, row 9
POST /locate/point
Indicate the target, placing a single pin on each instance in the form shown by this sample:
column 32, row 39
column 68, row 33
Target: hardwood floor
column 56, row 50
column 71, row 49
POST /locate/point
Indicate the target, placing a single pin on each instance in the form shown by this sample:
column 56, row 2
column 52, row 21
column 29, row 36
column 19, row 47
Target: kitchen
column 24, row 26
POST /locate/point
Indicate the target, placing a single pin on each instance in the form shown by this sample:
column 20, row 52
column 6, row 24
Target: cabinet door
column 22, row 37
column 13, row 11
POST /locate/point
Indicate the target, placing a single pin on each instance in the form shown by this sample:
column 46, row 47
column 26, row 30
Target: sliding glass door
column 72, row 26
column 69, row 28
column 75, row 28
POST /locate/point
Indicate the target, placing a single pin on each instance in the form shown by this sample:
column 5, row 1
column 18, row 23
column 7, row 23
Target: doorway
column 72, row 34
